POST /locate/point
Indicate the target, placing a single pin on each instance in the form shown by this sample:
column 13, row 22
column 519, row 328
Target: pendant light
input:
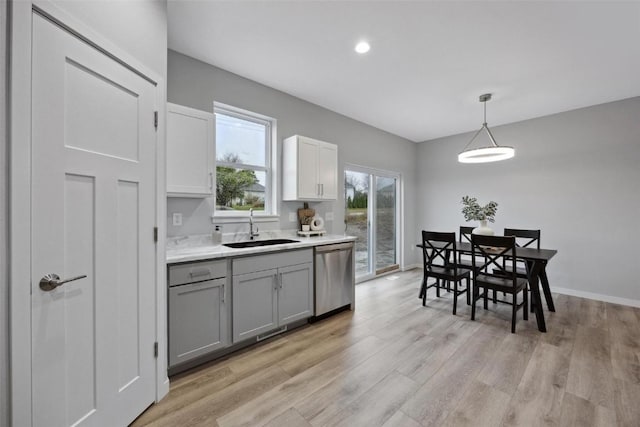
column 493, row 152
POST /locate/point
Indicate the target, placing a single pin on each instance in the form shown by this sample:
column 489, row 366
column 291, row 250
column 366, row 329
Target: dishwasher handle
column 333, row 248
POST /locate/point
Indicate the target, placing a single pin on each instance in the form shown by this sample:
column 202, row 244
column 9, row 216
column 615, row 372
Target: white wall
column 575, row 176
column 4, row 301
column 196, row 84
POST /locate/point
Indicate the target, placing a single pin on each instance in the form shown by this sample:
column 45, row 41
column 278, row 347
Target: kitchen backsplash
column 196, row 217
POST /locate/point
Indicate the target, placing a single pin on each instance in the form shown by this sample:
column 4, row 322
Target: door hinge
column 155, row 119
column 155, row 349
column 155, row 234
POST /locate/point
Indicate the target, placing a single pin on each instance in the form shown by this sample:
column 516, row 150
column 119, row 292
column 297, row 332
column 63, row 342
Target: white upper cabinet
column 310, row 169
column 190, row 152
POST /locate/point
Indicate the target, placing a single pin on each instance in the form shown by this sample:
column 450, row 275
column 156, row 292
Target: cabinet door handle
column 275, row 279
column 322, row 189
column 199, row 272
column 211, row 181
column 318, row 189
column 280, row 280
column 222, row 288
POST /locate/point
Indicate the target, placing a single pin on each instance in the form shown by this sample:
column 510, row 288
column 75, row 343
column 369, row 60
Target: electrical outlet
column 177, row 219
column 292, row 217
column 329, row 216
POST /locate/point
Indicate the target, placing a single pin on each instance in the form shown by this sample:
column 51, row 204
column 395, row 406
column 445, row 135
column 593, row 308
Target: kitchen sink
column 254, row 243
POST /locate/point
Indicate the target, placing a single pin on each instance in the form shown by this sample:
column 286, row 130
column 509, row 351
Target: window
column 244, row 167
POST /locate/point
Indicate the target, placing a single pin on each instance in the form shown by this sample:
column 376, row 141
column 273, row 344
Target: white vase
column 483, row 229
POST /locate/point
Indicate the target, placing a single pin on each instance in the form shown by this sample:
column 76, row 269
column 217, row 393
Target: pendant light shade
column 493, row 152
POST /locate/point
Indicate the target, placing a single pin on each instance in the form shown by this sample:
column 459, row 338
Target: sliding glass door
column 372, row 207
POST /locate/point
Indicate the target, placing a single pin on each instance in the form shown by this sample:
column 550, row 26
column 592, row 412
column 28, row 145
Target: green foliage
column 358, row 201
column 472, row 211
column 231, row 183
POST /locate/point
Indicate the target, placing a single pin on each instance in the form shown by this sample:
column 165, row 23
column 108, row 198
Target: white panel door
column 93, row 212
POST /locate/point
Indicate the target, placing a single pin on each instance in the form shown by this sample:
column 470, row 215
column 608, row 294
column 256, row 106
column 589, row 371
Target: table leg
column 545, row 287
column 534, row 269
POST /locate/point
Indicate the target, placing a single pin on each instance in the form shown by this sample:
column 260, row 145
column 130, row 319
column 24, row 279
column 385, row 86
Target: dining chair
column 465, row 236
column 495, row 250
column 438, row 252
column 530, row 239
column 524, row 239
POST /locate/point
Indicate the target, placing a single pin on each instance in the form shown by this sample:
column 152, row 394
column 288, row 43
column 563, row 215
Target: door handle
column 51, row 281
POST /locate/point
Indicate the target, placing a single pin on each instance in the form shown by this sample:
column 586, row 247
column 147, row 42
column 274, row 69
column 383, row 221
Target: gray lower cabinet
column 255, row 303
column 295, row 294
column 197, row 320
column 267, row 298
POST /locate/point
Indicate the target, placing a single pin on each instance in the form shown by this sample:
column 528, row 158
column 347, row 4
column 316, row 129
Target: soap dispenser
column 216, row 236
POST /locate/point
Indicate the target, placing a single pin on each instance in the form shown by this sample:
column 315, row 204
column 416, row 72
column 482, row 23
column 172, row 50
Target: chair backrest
column 465, row 234
column 438, row 248
column 524, row 238
column 490, row 253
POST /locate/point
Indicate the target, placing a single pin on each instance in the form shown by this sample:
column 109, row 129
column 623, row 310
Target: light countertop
column 195, row 248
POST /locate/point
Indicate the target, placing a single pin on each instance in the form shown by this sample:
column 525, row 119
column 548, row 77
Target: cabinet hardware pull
column 211, row 181
column 222, row 293
column 200, row 272
column 275, row 279
column 280, row 280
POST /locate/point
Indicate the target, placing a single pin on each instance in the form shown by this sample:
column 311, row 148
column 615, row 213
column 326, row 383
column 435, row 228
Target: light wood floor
column 393, row 362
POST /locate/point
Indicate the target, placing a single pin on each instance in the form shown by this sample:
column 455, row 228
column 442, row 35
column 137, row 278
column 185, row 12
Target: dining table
column 536, row 261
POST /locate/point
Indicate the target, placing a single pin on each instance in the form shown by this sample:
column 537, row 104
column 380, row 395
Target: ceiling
column 429, row 61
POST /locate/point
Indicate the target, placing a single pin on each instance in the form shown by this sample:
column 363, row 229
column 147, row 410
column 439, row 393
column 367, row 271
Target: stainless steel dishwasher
column 334, row 277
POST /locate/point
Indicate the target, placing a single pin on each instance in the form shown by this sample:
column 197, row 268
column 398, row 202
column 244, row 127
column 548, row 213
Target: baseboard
column 411, row 267
column 597, row 297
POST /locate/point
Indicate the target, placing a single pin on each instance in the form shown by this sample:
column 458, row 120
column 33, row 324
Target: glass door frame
column 371, row 209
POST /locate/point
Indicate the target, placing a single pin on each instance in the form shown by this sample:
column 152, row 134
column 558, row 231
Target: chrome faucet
column 252, row 233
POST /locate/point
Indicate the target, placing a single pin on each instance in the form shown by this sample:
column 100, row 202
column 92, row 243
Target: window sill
column 234, row 218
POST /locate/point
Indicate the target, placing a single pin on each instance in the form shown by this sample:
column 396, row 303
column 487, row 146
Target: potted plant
column 472, row 211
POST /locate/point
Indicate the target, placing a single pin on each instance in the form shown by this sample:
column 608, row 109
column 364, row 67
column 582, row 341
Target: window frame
column 270, row 211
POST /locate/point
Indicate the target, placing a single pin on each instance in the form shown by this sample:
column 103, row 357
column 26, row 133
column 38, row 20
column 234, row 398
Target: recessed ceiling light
column 363, row 47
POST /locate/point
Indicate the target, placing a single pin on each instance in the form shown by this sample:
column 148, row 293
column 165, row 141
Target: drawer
column 180, row 274
column 254, row 263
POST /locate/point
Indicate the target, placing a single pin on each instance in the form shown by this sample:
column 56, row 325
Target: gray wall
column 196, row 84
column 4, row 305
column 575, row 176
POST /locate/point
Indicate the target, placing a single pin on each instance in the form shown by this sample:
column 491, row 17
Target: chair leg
column 438, row 288
column 486, row 298
column 468, row 291
column 455, row 296
column 473, row 302
column 495, row 300
column 526, row 303
column 424, row 298
column 514, row 310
